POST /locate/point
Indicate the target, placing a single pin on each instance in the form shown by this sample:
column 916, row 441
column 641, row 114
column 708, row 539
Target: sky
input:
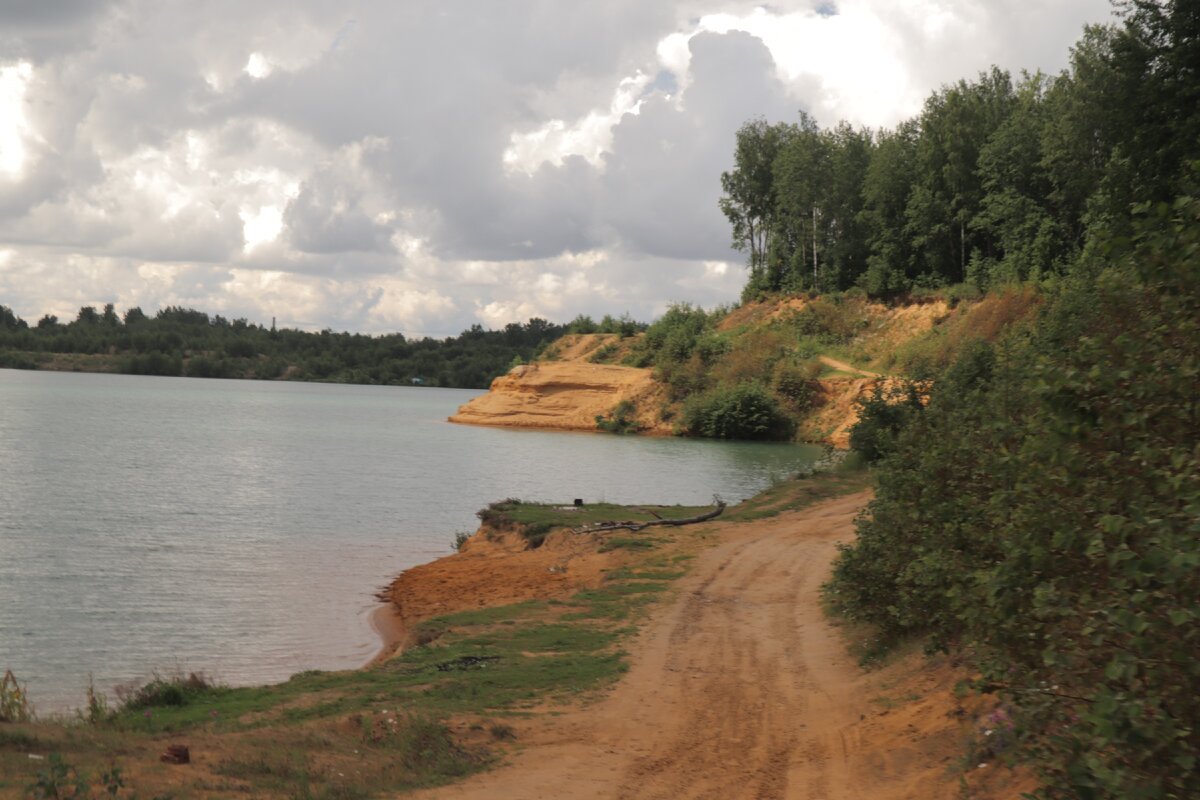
column 423, row 166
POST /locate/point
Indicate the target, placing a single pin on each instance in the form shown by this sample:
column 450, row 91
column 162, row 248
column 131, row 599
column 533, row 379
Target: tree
column 842, row 230
column 10, row 321
column 954, row 126
column 802, row 176
column 887, row 184
column 1016, row 212
column 749, row 200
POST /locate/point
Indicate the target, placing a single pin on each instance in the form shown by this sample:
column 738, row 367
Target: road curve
column 740, row 688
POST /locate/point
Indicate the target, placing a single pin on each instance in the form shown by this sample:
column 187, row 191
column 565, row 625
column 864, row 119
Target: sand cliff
column 566, row 395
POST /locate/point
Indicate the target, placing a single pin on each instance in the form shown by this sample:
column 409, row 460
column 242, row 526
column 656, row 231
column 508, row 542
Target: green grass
column 630, row 543
column 566, row 515
column 799, row 493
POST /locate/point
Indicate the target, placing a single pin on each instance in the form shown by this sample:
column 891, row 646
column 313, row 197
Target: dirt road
column 740, row 688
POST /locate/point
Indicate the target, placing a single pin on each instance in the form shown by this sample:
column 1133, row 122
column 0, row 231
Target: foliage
column 672, row 338
column 749, row 201
column 96, row 709
column 422, row 745
column 460, row 539
column 58, row 781
column 14, row 702
column 743, row 411
column 160, row 691
column 796, row 384
column 1041, row 514
column 882, row 415
column 622, row 418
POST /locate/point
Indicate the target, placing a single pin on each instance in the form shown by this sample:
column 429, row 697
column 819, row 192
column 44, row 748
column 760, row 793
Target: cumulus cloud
column 418, row 166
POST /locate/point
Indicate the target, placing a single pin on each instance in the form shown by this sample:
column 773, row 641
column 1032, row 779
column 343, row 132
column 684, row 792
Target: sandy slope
column 741, row 688
column 565, row 395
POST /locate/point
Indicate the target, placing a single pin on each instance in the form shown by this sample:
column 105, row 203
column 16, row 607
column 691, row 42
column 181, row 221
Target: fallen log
column 602, row 527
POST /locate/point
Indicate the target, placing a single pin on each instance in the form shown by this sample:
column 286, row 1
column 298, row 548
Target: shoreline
column 389, row 626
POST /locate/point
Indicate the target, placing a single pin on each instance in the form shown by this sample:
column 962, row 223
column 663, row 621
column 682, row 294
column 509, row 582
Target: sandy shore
column 389, row 625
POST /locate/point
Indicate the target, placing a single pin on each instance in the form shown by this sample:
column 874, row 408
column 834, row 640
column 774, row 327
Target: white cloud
column 257, row 66
column 14, row 127
column 589, row 137
column 261, row 227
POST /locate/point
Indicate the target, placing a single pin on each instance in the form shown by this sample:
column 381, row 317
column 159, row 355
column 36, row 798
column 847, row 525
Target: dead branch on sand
column 601, row 527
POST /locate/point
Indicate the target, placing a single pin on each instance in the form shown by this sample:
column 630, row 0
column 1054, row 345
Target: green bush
column 1041, row 516
column 175, row 691
column 744, row 411
column 882, row 415
column 622, row 419
column 14, row 702
column 797, row 385
column 672, row 338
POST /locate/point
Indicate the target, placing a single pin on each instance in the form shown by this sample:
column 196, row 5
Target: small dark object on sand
column 176, row 754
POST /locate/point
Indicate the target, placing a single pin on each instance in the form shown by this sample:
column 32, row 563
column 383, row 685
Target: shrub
column 744, row 411
column 752, row 356
column 882, row 415
column 604, row 354
column 160, row 691
column 14, row 702
column 622, row 419
column 97, row 710
column 426, row 747
column 796, row 384
column 59, row 780
column 672, row 337
column 834, row 321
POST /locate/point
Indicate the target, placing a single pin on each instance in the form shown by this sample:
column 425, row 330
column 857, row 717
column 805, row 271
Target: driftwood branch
column 601, row 527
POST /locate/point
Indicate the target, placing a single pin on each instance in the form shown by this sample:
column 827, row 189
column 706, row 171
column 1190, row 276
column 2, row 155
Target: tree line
column 996, row 180
column 187, row 342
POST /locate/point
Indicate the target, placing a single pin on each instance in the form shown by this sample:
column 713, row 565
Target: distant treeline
column 993, row 182
column 183, row 341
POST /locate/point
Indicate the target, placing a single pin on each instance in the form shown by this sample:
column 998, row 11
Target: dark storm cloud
column 39, row 29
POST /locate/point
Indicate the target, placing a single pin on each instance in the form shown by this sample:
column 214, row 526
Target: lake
column 241, row 528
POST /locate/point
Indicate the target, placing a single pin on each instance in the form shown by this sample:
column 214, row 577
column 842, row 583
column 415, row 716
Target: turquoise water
column 241, row 528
